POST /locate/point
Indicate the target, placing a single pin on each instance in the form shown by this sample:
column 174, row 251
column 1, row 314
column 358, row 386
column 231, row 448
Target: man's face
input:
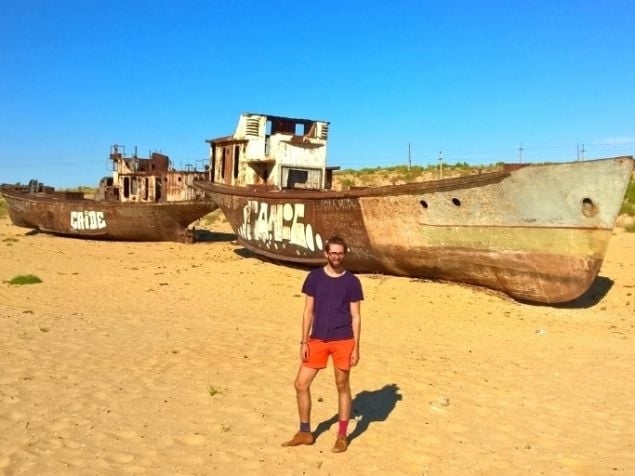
column 335, row 255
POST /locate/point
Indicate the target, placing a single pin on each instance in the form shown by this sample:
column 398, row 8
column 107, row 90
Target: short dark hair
column 336, row 240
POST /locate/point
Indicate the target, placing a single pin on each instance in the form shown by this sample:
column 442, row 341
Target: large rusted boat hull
column 537, row 232
column 103, row 220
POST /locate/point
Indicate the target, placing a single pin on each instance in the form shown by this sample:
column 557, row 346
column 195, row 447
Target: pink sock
column 343, row 428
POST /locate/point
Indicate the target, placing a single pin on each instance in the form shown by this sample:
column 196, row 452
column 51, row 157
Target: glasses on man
column 334, row 254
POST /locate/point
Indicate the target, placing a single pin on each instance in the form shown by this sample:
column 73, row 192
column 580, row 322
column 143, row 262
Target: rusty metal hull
column 105, row 220
column 536, row 232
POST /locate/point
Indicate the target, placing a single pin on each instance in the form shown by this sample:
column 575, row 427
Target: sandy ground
column 165, row 358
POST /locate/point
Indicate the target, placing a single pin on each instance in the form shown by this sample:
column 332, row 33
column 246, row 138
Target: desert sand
column 168, row 358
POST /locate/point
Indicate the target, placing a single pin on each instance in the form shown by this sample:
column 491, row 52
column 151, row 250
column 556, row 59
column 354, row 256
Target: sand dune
column 167, row 358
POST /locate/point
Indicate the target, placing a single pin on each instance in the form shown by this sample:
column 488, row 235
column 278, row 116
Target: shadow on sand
column 590, row 298
column 368, row 406
column 245, row 253
column 211, row 237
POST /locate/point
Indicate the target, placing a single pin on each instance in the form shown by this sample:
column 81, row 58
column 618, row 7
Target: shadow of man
column 367, row 407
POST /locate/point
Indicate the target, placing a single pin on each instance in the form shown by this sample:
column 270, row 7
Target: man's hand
column 355, row 356
column 304, row 352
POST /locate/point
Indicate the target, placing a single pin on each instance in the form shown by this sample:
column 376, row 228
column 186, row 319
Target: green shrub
column 628, row 206
column 212, row 218
column 347, row 183
column 630, row 191
column 24, row 279
column 630, row 227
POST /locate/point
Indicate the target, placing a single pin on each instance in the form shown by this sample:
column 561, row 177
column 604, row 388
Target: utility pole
column 440, row 164
column 577, row 150
column 582, row 152
column 409, row 157
column 520, row 153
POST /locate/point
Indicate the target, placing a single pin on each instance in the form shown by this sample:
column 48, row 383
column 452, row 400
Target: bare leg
column 343, row 393
column 303, row 391
column 344, row 408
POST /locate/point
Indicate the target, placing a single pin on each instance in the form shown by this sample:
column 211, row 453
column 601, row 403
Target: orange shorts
column 320, row 350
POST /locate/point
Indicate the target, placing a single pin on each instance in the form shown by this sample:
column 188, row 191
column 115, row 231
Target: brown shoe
column 341, row 444
column 300, row 438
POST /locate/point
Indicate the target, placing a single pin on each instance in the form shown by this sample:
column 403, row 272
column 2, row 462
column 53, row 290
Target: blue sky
column 471, row 79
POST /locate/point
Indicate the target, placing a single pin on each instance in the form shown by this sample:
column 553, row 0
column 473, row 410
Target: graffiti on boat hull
column 88, row 220
column 281, row 223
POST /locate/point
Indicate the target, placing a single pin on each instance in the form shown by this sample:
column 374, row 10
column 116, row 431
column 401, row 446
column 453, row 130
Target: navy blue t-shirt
column 332, row 318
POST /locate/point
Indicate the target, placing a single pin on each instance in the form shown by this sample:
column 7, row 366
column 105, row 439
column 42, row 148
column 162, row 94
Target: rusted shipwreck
column 144, row 200
column 536, row 232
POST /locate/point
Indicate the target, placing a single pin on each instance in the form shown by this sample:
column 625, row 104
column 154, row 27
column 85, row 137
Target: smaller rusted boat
column 536, row 232
column 144, row 200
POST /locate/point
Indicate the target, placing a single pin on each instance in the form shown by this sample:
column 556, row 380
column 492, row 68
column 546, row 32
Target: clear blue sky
column 472, row 79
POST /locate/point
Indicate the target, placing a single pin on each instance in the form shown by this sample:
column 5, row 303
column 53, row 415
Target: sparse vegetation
column 628, row 207
column 81, row 188
column 3, row 208
column 347, row 178
column 211, row 218
column 212, row 390
column 630, row 227
column 89, row 192
column 24, row 279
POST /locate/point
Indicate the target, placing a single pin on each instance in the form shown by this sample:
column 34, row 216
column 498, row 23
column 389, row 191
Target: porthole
column 456, row 202
column 424, row 204
column 589, row 209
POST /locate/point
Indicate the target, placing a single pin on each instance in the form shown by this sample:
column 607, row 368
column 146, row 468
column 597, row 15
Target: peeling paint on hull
column 536, row 232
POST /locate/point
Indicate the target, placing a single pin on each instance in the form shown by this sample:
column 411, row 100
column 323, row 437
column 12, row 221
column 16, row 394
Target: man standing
column 331, row 326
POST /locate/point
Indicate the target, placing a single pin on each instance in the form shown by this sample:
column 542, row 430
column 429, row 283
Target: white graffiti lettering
column 278, row 223
column 88, row 220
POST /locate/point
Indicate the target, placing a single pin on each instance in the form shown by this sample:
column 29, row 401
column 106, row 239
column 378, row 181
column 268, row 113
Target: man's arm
column 307, row 321
column 357, row 329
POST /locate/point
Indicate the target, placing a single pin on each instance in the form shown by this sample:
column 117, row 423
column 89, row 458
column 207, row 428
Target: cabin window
column 212, row 165
column 146, row 189
column 297, row 177
column 301, row 178
column 236, row 157
column 222, row 163
column 268, row 128
column 126, row 187
column 299, row 129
